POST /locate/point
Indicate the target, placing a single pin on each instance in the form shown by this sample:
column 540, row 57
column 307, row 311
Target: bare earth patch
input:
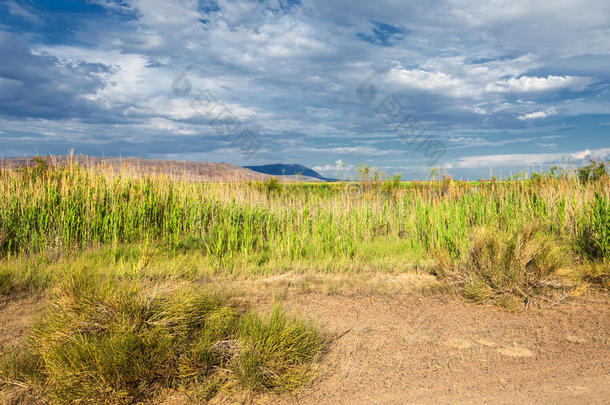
column 16, row 317
column 414, row 349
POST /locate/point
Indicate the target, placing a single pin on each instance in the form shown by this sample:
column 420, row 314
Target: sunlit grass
column 239, row 226
column 110, row 335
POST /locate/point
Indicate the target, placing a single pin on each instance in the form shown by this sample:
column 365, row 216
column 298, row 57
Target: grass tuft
column 27, row 275
column 275, row 350
column 107, row 338
column 505, row 268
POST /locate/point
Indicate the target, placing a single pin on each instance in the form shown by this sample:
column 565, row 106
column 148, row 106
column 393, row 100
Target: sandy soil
column 414, row 349
column 16, row 317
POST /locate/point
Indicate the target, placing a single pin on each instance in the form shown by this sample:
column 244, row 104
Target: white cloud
column 537, row 115
column 465, row 141
column 582, row 154
column 525, row 84
column 111, row 5
column 423, row 79
column 466, row 80
column 338, row 167
column 350, row 150
column 526, row 159
column 547, row 145
column 534, row 115
column 555, row 28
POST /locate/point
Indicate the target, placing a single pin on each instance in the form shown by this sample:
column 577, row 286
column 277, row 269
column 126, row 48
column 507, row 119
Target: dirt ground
column 414, row 349
column 16, row 316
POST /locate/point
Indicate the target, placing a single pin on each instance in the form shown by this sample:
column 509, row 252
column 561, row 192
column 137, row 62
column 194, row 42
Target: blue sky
column 470, row 86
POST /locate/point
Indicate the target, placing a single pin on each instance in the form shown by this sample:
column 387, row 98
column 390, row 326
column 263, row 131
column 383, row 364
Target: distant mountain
column 281, row 169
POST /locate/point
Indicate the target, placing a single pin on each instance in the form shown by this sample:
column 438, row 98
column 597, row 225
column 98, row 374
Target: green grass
column 274, row 351
column 594, row 239
column 109, row 336
column 27, row 275
column 254, row 225
column 264, row 228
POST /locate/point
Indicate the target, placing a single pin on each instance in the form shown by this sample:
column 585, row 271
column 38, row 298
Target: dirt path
column 414, row 349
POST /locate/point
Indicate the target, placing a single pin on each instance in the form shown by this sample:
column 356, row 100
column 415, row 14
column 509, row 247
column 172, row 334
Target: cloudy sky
column 403, row 86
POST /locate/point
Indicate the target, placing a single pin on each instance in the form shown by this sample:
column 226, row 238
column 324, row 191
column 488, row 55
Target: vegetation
column 125, row 323
column 115, row 335
column 595, row 234
column 592, row 172
column 507, row 269
column 71, row 207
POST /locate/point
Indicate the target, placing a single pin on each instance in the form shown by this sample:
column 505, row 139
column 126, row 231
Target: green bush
column 594, row 239
column 505, row 268
column 106, row 339
column 592, row 172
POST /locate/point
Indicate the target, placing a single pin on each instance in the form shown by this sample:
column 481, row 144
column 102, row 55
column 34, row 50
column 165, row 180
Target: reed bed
column 72, row 207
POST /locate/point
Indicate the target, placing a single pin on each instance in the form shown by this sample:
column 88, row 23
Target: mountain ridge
column 288, row 169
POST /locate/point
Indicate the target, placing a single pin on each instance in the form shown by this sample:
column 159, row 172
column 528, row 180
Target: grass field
column 135, row 269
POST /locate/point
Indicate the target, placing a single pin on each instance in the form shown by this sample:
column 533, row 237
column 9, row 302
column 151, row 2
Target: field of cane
column 141, row 278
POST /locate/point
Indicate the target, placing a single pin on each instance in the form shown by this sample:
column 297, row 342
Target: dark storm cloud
column 39, row 86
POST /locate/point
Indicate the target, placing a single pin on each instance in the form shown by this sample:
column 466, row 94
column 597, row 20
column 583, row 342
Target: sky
column 477, row 88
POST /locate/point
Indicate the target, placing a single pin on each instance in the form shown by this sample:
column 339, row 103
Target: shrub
column 598, row 273
column 23, row 276
column 594, row 171
column 501, row 267
column 594, row 239
column 272, row 186
column 390, row 187
column 105, row 339
column 18, row 365
column 96, row 344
